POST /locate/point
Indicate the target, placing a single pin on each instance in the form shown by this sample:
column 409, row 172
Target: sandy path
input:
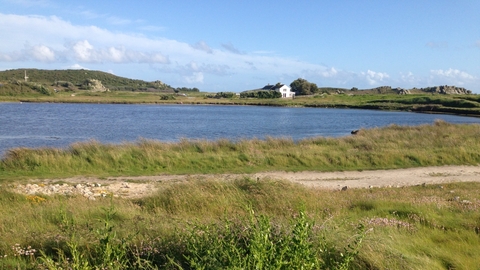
column 381, row 178
column 134, row 187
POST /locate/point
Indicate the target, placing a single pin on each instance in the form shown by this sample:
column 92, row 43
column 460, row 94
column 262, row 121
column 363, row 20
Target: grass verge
column 380, row 148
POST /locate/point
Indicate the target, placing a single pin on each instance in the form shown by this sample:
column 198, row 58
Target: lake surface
column 58, row 125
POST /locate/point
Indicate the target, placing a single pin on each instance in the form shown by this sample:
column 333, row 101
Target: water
column 58, row 125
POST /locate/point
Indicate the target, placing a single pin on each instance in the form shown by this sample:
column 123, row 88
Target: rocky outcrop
column 447, row 90
column 95, row 86
column 402, row 91
column 382, row 89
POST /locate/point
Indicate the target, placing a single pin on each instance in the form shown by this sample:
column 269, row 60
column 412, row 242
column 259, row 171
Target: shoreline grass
column 388, row 147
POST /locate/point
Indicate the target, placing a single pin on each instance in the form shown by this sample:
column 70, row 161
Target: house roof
column 272, row 87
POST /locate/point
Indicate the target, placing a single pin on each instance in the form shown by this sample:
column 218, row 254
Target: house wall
column 286, row 91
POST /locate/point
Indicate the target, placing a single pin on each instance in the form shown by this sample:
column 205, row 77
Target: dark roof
column 272, row 87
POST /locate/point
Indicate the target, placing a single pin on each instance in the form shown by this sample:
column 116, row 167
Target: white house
column 284, row 89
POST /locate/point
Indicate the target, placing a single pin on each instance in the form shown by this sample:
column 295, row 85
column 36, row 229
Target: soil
column 135, row 187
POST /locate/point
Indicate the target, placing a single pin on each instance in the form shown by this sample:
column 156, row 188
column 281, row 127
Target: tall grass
column 246, row 222
column 379, row 148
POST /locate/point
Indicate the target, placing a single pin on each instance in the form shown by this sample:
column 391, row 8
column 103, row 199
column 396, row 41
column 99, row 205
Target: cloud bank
column 56, row 42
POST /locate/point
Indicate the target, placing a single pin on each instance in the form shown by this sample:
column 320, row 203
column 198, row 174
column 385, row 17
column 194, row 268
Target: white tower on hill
column 26, row 77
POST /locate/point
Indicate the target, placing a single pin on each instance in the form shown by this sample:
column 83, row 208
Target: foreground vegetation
column 381, row 148
column 245, row 223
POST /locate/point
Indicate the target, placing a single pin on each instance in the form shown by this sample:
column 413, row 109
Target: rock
column 95, row 86
column 447, row 90
column 402, row 91
column 466, row 202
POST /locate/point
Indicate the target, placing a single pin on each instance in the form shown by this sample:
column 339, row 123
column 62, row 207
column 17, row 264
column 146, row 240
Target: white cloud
column 374, row 78
column 452, row 74
column 409, row 80
column 329, row 72
column 229, row 47
column 83, row 51
column 42, row 53
column 196, row 77
column 452, row 77
column 202, row 46
column 77, row 66
column 11, row 57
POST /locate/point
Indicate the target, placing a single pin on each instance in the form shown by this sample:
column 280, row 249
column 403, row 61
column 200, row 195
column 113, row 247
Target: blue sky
column 241, row 45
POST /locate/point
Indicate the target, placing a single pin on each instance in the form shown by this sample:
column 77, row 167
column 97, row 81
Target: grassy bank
column 245, row 222
column 381, row 148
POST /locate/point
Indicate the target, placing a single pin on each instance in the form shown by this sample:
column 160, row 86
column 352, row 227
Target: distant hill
column 78, row 78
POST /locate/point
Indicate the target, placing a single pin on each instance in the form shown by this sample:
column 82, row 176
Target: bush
column 261, row 94
column 260, row 244
column 224, row 95
column 38, row 88
column 167, row 97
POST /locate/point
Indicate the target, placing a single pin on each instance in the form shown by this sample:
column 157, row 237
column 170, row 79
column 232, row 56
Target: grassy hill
column 75, row 79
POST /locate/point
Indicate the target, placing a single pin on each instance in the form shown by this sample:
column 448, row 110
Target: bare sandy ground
column 131, row 187
column 382, row 178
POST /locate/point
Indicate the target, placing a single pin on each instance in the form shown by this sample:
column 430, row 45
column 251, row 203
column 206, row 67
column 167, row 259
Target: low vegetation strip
column 381, row 148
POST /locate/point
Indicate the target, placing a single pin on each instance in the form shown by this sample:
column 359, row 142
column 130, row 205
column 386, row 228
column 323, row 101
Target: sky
column 241, row 45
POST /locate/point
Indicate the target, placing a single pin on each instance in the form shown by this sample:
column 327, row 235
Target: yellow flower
column 35, row 199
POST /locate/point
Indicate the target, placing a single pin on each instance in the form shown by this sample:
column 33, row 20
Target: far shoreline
column 229, row 103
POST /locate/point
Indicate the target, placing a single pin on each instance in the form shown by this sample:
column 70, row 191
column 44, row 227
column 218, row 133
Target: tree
column 303, row 87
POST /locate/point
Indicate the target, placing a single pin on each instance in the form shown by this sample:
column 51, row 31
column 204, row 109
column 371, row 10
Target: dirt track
column 131, row 187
